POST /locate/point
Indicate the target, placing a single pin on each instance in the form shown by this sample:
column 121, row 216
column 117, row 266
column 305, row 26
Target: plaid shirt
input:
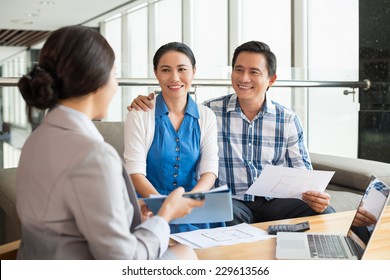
column 274, row 136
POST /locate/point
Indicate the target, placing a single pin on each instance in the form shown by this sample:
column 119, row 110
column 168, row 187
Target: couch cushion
column 8, row 191
column 113, row 133
column 343, row 199
column 351, row 172
column 9, row 220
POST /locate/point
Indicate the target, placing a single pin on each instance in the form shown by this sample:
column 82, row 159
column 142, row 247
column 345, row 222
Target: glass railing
column 291, row 93
column 365, row 84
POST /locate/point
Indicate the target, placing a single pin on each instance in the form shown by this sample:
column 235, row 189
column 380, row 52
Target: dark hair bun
column 38, row 89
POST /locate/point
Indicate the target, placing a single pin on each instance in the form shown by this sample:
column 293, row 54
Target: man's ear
column 272, row 80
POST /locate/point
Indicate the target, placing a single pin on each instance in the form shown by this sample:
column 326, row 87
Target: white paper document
column 204, row 238
column 286, row 182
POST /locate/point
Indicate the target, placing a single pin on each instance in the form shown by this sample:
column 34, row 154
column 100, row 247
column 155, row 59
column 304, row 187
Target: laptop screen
column 369, row 211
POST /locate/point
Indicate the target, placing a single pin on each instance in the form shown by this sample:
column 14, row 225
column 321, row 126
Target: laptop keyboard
column 326, row 246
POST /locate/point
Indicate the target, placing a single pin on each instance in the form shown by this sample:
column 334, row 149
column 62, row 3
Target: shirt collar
column 161, row 107
column 84, row 121
column 268, row 106
column 233, row 104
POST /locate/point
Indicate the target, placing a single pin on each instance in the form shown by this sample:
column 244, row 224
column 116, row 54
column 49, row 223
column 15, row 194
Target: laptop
column 306, row 245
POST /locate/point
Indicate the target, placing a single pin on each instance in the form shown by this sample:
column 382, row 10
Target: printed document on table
column 286, row 182
column 204, row 238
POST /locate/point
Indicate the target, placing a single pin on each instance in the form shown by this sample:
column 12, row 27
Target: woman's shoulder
column 97, row 153
column 207, row 118
column 91, row 145
column 141, row 116
column 205, row 111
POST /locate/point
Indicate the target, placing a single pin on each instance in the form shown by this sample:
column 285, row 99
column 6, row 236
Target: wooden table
column 329, row 223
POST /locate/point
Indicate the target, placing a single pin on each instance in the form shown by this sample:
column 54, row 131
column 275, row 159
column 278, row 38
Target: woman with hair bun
column 72, row 191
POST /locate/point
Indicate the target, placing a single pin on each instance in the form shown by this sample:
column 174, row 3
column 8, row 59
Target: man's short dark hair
column 261, row 48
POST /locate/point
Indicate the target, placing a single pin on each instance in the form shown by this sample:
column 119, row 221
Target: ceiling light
column 47, row 3
column 22, row 21
column 32, row 14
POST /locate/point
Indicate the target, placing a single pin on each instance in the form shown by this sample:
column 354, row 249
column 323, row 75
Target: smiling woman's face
column 175, row 74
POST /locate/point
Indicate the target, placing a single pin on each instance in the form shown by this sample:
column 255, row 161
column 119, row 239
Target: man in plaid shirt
column 254, row 131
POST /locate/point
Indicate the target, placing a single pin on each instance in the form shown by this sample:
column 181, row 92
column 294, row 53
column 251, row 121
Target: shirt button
column 175, row 175
column 176, row 166
column 177, row 139
column 174, row 184
column 249, row 144
column 177, row 149
column 177, row 158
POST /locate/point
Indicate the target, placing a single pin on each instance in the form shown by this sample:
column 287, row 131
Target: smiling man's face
column 250, row 77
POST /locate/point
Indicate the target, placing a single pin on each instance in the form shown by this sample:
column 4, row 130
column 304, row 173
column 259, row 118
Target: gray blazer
column 73, row 197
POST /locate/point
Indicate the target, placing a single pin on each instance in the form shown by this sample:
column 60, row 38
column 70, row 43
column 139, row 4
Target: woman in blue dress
column 175, row 143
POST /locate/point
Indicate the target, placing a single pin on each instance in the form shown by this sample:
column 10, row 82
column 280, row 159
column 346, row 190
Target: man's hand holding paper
column 318, row 201
column 286, row 182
